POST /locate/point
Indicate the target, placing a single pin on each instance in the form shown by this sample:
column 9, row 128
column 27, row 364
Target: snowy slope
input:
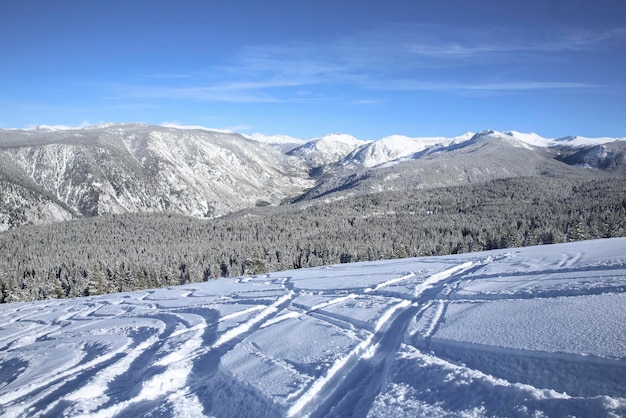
column 21, row 204
column 582, row 141
column 118, row 168
column 532, row 139
column 569, row 141
column 610, row 157
column 482, row 157
column 539, row 331
column 327, row 150
column 398, row 147
column 391, row 148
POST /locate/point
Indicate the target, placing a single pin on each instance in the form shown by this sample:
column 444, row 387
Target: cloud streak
column 395, row 60
column 521, row 85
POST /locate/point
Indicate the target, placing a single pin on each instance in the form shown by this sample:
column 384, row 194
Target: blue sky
column 308, row 68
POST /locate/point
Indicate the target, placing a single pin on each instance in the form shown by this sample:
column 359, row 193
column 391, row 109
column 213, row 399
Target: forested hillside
column 113, row 253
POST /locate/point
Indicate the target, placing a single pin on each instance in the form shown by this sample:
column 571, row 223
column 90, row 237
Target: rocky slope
column 54, row 175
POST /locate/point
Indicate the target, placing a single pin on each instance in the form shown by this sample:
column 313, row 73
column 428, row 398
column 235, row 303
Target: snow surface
column 532, row 139
column 392, row 148
column 538, row 331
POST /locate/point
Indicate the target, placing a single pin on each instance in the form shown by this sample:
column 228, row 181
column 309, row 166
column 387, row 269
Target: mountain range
column 51, row 174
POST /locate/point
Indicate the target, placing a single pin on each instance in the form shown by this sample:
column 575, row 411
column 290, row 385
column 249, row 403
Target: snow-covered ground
column 536, row 332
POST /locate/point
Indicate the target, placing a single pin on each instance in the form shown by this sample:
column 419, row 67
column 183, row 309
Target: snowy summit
column 538, row 331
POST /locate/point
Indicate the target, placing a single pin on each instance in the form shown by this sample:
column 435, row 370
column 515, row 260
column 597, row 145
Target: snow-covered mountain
column 53, row 173
column 531, row 332
column 532, row 139
column 395, row 148
column 568, row 141
column 284, row 143
column 484, row 156
column 121, row 168
column 582, row 141
column 603, row 153
column 327, row 150
column 608, row 157
column 398, row 148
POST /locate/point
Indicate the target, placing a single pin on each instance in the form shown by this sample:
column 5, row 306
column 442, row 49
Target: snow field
column 537, row 331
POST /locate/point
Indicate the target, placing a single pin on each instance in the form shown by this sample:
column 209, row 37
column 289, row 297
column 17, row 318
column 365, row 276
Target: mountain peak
column 328, row 149
column 484, row 133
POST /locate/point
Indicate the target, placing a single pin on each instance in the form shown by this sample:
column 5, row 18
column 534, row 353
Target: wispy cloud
column 171, row 76
column 387, row 59
column 528, row 85
column 581, row 39
column 214, row 93
column 523, row 85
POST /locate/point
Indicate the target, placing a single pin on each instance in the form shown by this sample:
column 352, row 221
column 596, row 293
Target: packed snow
column 536, row 332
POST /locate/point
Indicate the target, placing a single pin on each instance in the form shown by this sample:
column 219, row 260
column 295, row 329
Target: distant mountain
column 56, row 173
column 50, row 174
column 396, row 148
column 327, row 150
column 582, row 141
column 284, row 143
column 608, row 157
column 485, row 156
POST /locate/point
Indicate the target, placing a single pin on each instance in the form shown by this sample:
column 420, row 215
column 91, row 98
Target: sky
column 309, row 68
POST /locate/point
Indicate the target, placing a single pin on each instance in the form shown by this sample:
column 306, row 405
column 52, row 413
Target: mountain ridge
column 52, row 173
column 128, row 168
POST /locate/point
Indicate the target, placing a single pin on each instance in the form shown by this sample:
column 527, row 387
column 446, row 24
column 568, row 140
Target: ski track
column 389, row 283
column 438, row 316
column 247, row 326
column 326, row 387
column 150, row 341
